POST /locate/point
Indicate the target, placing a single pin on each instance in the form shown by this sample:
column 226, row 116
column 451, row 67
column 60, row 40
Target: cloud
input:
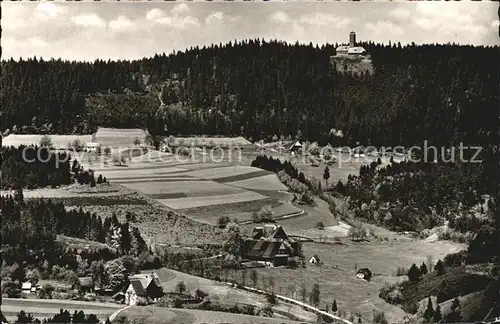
column 38, row 42
column 154, row 14
column 495, row 24
column 14, row 20
column 180, row 8
column 48, row 10
column 214, row 17
column 385, row 28
column 280, row 17
column 322, row 19
column 89, row 20
column 400, row 14
column 121, row 22
column 175, row 21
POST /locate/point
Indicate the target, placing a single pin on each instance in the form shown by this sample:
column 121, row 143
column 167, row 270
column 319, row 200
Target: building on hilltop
column 271, row 246
column 351, row 49
column 352, row 39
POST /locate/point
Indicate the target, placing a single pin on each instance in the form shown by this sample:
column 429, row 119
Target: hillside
column 478, row 294
column 260, row 89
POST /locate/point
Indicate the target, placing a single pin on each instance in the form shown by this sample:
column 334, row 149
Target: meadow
column 223, row 293
column 337, row 276
column 158, row 315
column 58, row 141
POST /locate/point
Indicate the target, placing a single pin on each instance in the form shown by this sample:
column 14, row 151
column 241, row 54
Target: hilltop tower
column 352, row 39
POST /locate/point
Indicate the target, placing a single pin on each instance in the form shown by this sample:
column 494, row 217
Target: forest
column 444, row 94
column 29, row 241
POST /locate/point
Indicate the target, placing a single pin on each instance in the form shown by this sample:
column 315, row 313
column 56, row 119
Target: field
column 220, row 189
column 158, row 315
column 42, row 308
column 58, row 141
column 337, row 277
column 200, row 140
column 114, row 137
column 222, row 293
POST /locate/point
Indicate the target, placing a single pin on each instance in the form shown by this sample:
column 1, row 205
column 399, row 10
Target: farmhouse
column 295, row 147
column 364, row 273
column 270, row 245
column 93, row 147
column 143, row 287
column 315, row 260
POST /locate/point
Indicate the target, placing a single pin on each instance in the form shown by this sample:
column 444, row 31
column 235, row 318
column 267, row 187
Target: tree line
column 64, row 317
column 441, row 93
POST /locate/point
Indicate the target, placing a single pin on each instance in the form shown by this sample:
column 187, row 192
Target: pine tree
column 423, row 269
column 315, row 295
column 439, row 267
column 334, row 306
column 437, row 317
column 455, row 315
column 414, row 273
column 429, row 312
column 326, row 175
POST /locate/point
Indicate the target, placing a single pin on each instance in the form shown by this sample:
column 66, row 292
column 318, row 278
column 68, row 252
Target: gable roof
column 278, row 233
column 365, row 271
column 316, row 257
column 296, row 144
column 138, row 288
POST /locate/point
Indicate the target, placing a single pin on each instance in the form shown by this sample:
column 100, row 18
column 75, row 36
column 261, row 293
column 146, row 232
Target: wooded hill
column 440, row 93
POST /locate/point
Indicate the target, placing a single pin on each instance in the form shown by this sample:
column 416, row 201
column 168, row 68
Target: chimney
column 352, row 39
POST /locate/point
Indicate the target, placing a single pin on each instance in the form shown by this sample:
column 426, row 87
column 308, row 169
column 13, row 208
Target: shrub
column 180, row 287
column 320, row 225
column 265, row 214
column 379, row 318
column 223, row 221
column 46, row 141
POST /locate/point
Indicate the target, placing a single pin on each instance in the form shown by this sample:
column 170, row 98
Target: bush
column 265, row 214
column 223, row 221
column 320, row 225
column 379, row 318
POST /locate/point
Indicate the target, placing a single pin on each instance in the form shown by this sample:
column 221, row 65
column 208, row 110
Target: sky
column 132, row 30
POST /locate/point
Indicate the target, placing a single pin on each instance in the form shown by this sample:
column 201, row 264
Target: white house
column 315, row 259
column 93, row 147
column 26, row 287
column 143, row 286
column 358, row 50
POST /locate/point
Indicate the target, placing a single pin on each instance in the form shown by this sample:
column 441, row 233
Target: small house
column 143, row 287
column 315, row 260
column 296, row 147
column 26, row 287
column 364, row 273
column 93, row 147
